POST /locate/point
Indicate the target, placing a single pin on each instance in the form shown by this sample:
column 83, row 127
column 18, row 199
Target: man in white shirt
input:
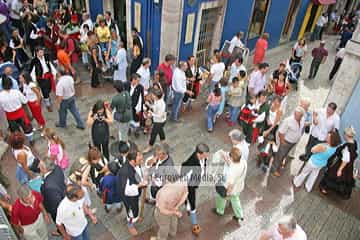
column 65, row 100
column 324, row 121
column 131, row 182
column 257, row 80
column 216, row 72
column 235, row 68
column 86, row 20
column 179, row 88
column 238, row 140
column 71, row 214
column 144, row 72
column 286, row 229
column 319, row 28
column 290, row 132
column 236, row 42
column 338, row 60
column 158, row 114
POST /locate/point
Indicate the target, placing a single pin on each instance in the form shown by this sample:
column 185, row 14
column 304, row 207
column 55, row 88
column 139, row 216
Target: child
column 56, row 149
column 224, row 89
column 213, row 100
column 235, row 98
column 266, row 149
column 108, row 190
column 247, row 116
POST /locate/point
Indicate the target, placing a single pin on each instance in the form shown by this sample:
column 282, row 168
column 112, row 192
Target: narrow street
column 319, row 216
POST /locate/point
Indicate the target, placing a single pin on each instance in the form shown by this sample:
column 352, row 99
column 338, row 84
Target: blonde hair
column 51, row 134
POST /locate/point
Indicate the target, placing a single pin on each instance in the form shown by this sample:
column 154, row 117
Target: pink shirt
column 57, row 154
column 214, row 100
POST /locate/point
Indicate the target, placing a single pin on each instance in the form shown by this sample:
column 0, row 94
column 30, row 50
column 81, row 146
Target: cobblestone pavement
column 262, row 205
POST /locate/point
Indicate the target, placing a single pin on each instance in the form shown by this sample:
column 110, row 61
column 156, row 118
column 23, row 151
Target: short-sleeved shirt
column 29, row 93
column 71, row 214
column 325, row 125
column 291, row 129
column 217, row 71
column 12, row 100
column 257, row 82
column 168, row 71
column 299, row 234
column 319, row 53
column 63, row 58
column 65, row 87
column 25, row 215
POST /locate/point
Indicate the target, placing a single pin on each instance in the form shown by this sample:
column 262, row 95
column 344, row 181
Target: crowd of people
column 248, row 100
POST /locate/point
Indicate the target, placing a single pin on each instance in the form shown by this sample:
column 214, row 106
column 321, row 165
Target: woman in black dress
column 98, row 120
column 340, row 174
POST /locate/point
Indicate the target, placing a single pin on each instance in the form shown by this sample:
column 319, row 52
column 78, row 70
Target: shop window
column 258, row 18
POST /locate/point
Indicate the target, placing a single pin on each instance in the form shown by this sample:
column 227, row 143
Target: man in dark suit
column 53, row 187
column 194, row 170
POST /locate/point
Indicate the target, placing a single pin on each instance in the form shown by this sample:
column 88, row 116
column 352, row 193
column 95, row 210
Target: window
column 258, row 18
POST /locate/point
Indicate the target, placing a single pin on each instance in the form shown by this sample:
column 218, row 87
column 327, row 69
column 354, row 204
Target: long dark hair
column 97, row 106
column 27, row 77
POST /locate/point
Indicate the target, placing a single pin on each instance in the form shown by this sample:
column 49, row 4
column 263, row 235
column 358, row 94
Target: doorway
column 120, row 17
column 209, row 20
column 290, row 21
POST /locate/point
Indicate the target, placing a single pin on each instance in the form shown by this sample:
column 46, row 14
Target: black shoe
column 237, row 219
column 80, row 127
column 106, row 209
column 59, row 126
column 303, row 158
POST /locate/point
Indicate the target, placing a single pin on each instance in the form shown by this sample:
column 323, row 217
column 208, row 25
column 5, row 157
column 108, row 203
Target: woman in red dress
column 260, row 49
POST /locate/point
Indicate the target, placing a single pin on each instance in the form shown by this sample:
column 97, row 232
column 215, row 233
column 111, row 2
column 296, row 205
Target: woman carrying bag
column 234, row 182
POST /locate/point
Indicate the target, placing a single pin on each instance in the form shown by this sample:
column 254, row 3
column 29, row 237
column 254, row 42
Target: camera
column 100, row 116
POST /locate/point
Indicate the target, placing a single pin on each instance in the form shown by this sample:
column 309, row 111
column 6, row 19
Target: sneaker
column 59, row 126
column 106, row 209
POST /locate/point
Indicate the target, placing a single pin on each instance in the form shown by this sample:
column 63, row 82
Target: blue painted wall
column 96, row 7
column 237, row 18
column 150, row 23
column 351, row 115
column 188, row 49
column 300, row 18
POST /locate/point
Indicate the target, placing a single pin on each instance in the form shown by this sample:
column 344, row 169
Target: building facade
column 197, row 27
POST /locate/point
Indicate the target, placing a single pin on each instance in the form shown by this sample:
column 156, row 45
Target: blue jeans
column 178, row 97
column 315, row 34
column 212, row 110
column 69, row 104
column 212, row 86
column 83, row 236
column 234, row 113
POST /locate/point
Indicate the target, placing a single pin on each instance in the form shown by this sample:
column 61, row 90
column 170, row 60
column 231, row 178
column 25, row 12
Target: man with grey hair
column 28, row 215
column 286, row 228
column 237, row 138
column 162, row 169
column 65, row 99
column 53, row 187
column 290, row 132
column 179, row 88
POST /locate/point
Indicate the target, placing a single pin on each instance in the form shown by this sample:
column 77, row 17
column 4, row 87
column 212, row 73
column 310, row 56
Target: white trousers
column 310, row 171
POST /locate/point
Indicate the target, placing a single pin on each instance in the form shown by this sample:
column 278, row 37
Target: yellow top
column 103, row 34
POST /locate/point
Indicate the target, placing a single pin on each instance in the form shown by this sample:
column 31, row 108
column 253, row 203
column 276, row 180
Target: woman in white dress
column 121, row 63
